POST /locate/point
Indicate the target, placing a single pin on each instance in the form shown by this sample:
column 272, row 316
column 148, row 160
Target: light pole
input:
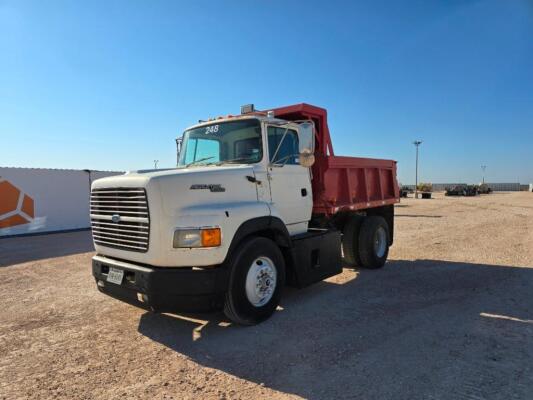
column 483, row 168
column 417, row 143
column 155, row 163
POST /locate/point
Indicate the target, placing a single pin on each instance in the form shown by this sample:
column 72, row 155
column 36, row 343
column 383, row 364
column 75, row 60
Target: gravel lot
column 449, row 317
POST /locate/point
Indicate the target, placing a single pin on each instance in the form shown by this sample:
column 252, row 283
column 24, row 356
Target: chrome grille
column 120, row 218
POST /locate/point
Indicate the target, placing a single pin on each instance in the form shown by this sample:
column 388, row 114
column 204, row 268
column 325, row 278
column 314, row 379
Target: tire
column 254, row 257
column 350, row 241
column 373, row 229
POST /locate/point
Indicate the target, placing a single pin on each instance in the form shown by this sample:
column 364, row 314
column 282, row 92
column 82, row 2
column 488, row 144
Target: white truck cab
column 226, row 175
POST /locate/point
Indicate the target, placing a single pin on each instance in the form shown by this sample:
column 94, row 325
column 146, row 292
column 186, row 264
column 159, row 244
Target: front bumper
column 163, row 289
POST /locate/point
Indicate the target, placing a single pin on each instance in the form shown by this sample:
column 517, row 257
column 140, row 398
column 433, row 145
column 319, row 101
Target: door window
column 288, row 151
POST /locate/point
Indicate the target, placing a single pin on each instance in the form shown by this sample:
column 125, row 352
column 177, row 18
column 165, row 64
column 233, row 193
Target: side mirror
column 306, row 143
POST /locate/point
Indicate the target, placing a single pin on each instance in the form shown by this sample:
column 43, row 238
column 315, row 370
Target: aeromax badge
column 214, row 187
column 115, row 218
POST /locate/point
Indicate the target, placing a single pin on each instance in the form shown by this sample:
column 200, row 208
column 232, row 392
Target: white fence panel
column 505, row 187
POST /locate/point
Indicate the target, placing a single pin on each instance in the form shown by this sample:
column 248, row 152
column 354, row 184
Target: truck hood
column 146, row 174
column 185, row 198
column 180, row 190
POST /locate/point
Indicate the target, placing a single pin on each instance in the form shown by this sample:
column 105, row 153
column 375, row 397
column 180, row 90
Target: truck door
column 290, row 183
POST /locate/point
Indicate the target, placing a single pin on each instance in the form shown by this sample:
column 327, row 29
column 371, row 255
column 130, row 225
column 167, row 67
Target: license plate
column 115, row 275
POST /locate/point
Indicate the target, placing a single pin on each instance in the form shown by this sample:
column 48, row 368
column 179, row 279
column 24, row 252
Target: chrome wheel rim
column 261, row 281
column 380, row 242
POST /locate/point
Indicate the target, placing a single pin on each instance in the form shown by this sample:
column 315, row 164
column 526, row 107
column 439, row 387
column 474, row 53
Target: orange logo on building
column 16, row 208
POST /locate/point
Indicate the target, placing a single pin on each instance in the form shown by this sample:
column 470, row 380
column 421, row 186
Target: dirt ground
column 450, row 316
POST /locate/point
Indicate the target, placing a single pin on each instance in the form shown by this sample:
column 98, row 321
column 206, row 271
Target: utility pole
column 417, row 143
column 483, row 168
column 155, row 163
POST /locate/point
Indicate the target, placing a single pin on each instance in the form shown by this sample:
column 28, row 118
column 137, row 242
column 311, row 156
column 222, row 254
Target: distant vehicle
column 405, row 190
column 457, row 190
column 472, row 190
column 462, row 190
column 483, row 188
column 425, row 190
column 247, row 210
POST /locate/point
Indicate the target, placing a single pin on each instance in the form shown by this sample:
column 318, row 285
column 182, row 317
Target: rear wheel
column 256, row 280
column 374, row 242
column 350, row 241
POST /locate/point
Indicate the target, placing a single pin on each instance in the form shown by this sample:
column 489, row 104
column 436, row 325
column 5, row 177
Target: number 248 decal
column 211, row 129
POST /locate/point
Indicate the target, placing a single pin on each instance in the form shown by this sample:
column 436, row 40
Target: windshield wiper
column 198, row 161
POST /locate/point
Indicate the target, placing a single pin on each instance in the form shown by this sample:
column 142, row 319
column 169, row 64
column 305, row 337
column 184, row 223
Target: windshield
column 225, row 142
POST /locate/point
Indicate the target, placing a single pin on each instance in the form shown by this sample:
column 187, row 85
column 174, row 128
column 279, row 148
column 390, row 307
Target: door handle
column 253, row 179
column 304, row 192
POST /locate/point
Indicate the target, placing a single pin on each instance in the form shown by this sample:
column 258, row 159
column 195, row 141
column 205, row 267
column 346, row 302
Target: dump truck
column 257, row 201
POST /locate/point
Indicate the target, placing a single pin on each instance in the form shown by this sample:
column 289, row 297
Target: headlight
column 200, row 237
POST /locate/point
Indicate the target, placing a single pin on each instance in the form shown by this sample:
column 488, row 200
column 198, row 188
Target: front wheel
column 256, row 281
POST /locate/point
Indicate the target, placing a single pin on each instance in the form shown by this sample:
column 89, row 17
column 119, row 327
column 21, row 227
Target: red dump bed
column 343, row 183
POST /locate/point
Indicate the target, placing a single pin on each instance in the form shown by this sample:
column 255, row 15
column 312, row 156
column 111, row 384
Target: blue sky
column 109, row 85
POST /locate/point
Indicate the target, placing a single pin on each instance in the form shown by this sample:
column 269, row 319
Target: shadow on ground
column 418, row 216
column 414, row 329
column 17, row 250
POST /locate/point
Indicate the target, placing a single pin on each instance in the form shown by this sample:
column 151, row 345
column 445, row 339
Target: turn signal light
column 197, row 237
column 211, row 237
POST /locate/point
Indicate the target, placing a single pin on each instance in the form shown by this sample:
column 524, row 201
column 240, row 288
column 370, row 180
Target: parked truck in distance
column 425, row 190
column 483, row 188
column 257, row 201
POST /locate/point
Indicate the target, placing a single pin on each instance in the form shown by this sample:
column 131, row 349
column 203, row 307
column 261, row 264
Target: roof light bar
column 247, row 108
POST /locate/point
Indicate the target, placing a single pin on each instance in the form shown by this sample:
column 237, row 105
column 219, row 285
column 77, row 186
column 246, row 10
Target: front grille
column 132, row 230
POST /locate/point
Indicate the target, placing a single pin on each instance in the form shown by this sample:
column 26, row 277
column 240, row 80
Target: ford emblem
column 115, row 218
